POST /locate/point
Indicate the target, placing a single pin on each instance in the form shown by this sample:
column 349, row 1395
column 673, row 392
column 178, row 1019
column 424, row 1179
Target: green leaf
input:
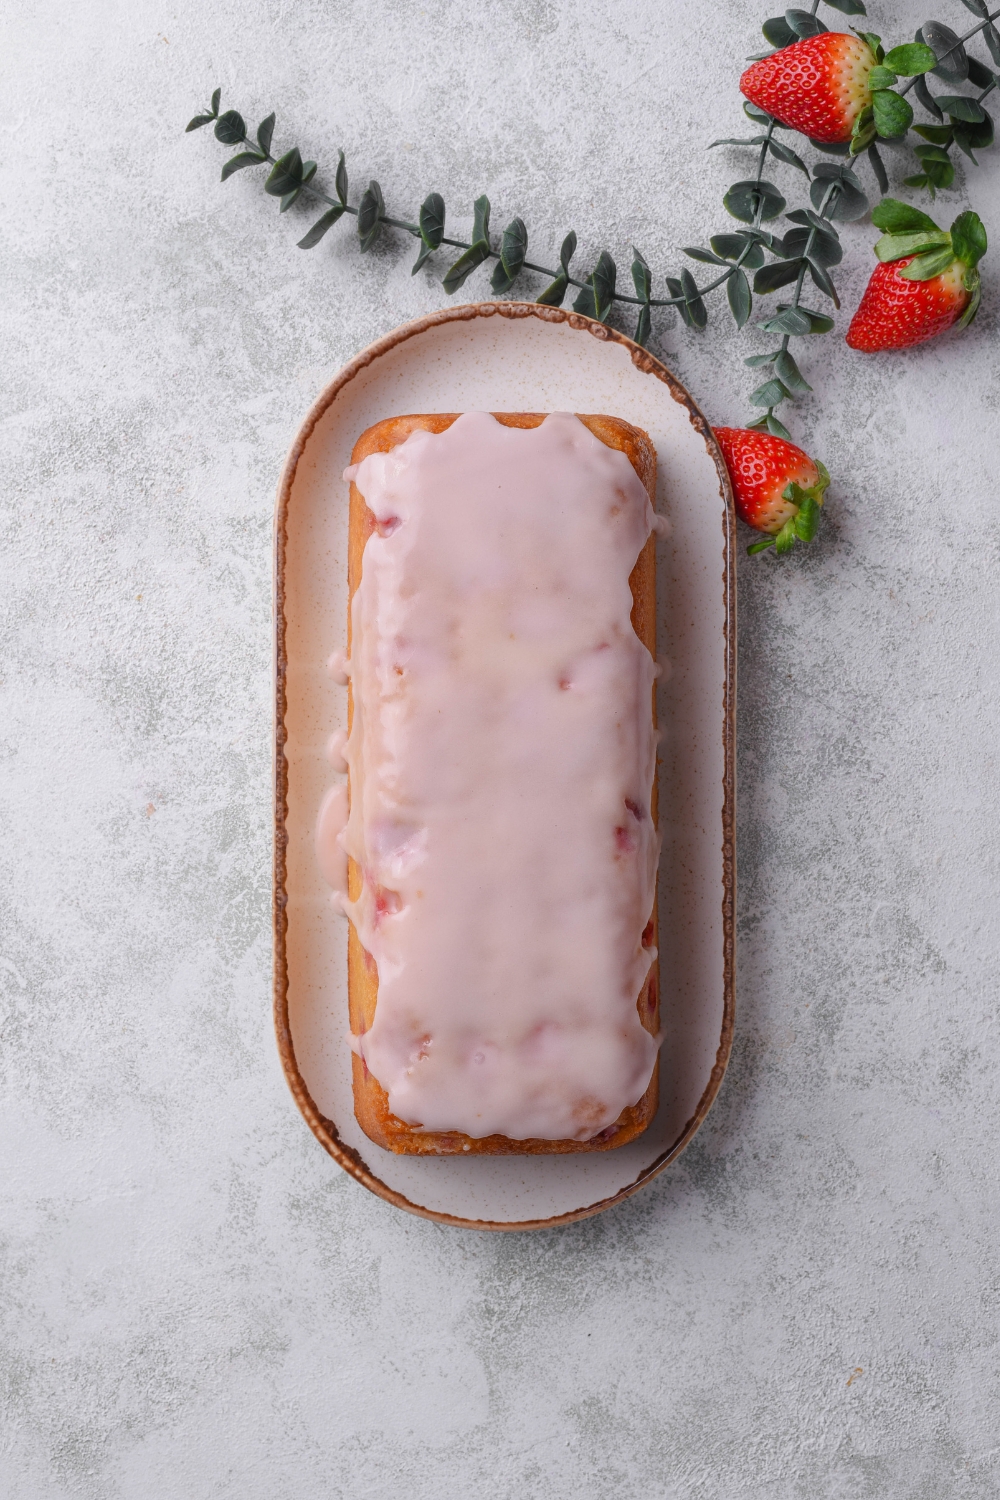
column 738, row 295
column 513, row 248
column 757, row 360
column 940, row 135
column 883, row 78
column 237, row 163
column 694, row 307
column 980, row 75
column 732, row 140
column 832, row 148
column 927, row 266
column 807, row 520
column 968, row 238
column 895, row 246
column 849, row 202
column 603, row 279
column 642, row 328
column 341, row 181
column 464, row 266
column 567, row 251
column 826, row 249
column 786, row 154
column 770, row 394
column 893, row 115
column 230, row 128
column 789, row 374
column 432, row 221
column 500, row 282
column 821, row 278
column 779, row 273
column 763, row 546
column 848, row 7
column 927, row 99
column 198, row 122
column 704, row 255
column 804, row 23
column 874, row 42
column 584, row 302
column 216, row 101
column 761, row 116
column 777, row 429
column 968, row 137
column 910, row 58
column 370, row 211
column 732, row 246
column 316, row 233
column 641, row 277
column 978, row 8
column 992, row 39
column 896, row 217
column 953, row 60
column 972, row 284
column 960, row 107
column 778, row 32
column 742, row 200
column 798, row 321
column 555, row 292
column 481, row 219
column 864, row 131
column 285, row 175
column 265, row 130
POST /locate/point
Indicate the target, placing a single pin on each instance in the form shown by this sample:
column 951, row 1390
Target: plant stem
column 974, row 32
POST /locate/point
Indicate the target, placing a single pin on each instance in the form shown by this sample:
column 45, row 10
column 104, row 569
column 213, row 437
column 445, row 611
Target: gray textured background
column 195, row 1301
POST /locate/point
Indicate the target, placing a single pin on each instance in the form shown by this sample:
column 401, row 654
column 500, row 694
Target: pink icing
column 502, row 759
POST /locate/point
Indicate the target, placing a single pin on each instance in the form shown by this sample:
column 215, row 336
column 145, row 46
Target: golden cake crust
column 371, row 1105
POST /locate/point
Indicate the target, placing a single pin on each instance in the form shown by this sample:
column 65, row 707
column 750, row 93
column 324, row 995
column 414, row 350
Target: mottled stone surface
column 195, row 1301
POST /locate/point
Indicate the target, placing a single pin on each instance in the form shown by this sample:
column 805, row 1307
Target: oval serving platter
column 512, row 356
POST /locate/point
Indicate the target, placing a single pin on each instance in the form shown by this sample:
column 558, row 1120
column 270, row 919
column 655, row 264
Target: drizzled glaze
column 501, row 759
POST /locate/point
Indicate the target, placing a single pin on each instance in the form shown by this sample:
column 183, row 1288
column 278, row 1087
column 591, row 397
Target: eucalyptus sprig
column 809, row 248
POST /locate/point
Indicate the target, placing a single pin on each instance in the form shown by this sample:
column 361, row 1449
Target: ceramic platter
column 512, row 357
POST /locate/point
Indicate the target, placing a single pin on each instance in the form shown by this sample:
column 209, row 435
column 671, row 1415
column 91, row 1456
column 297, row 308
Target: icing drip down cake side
column 495, row 848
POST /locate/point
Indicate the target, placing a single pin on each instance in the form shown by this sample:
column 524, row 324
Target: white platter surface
column 513, row 357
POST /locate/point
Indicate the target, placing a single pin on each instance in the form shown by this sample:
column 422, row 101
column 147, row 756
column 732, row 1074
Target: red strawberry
column 818, row 85
column 928, row 279
column 778, row 488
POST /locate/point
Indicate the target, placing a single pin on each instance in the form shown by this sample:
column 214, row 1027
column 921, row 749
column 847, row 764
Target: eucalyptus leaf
column 641, row 277
column 878, row 167
column 341, row 181
column 265, row 130
column 567, row 251
column 732, row 246
column 370, row 211
column 797, row 320
column 216, row 101
column 826, row 249
column 960, row 107
column 893, row 113
column 789, row 374
column 786, row 154
column 237, row 163
column 694, row 306
column 978, row 8
column 778, row 32
column 703, row 255
column 584, row 302
column 938, row 135
column 755, row 113
column 953, row 60
column 481, row 219
column 743, row 197
column 501, row 281
column 848, row 7
column 821, row 278
column 848, row 203
column 927, row 99
column 804, row 23
column 676, row 290
column 230, row 128
column 642, row 328
column 974, row 137
column 756, row 360
column 603, row 278
column 778, row 274
column 432, row 221
column 316, row 233
column 198, row 122
column 980, row 75
column 770, row 394
column 513, row 248
column 554, row 294
column 992, row 39
column 809, row 216
column 832, row 148
column 464, row 266
column 285, row 175
column 909, row 59
column 739, row 298
column 778, row 429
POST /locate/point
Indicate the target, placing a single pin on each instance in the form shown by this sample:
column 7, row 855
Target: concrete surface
column 195, row 1302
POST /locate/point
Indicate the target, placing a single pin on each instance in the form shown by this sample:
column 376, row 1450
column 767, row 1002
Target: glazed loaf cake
column 502, row 814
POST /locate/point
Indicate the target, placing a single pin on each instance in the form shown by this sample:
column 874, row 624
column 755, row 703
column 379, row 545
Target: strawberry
column 778, row 488
column 818, row 86
column 927, row 282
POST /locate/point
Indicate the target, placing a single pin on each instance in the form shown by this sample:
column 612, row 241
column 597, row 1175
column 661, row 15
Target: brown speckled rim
column 323, row 1129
